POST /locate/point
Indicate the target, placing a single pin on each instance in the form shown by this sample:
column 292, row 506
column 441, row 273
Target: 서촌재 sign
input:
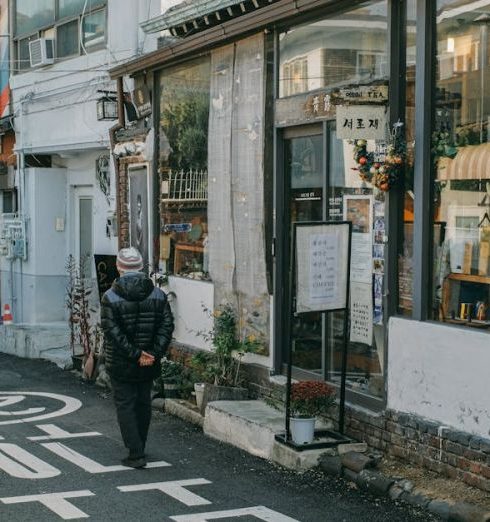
column 367, row 122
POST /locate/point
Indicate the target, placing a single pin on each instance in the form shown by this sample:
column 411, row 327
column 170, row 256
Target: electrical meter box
column 13, row 244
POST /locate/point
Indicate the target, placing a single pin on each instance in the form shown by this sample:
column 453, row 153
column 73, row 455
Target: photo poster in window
column 138, row 212
column 358, row 209
column 321, row 254
column 361, row 313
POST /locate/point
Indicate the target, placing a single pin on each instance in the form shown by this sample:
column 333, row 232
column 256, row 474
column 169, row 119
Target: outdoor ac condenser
column 41, row 52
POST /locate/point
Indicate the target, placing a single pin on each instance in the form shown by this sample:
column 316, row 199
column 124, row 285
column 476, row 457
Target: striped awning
column 471, row 162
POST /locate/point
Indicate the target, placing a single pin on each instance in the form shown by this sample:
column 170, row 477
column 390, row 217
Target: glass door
column 304, row 184
column 320, row 184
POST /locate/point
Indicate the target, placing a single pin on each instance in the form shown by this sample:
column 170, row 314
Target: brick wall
column 452, row 453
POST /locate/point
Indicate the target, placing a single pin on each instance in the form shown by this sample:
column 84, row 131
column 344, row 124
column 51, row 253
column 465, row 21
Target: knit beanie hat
column 129, row 260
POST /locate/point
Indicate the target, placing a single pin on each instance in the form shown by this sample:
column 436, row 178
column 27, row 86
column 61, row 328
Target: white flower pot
column 302, row 430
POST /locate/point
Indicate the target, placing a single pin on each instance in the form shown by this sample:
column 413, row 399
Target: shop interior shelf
column 469, row 278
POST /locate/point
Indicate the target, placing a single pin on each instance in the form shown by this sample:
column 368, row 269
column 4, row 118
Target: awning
column 471, row 162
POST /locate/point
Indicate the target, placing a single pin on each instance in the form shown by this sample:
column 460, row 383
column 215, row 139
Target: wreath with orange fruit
column 382, row 174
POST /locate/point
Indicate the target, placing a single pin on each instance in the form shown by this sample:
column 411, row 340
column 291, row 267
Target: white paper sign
column 368, row 122
column 359, row 210
column 321, row 267
column 361, row 313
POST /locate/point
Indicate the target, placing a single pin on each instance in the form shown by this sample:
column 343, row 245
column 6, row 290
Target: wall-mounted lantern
column 107, row 108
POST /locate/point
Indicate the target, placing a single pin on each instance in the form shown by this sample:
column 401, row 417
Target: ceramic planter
column 213, row 392
column 302, row 430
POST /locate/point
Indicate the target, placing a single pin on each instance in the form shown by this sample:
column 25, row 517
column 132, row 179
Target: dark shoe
column 134, row 462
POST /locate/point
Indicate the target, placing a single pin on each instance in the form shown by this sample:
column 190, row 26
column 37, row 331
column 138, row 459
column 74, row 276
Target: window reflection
column 348, row 48
column 461, row 158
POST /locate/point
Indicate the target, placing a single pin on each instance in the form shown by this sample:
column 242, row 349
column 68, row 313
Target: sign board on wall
column 361, row 94
column 322, row 267
column 367, row 122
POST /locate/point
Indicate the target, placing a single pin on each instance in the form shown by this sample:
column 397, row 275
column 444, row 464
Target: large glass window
column 345, row 49
column 94, row 29
column 405, row 257
column 183, row 159
column 59, row 20
column 30, row 15
column 67, row 39
column 461, row 286
column 75, row 7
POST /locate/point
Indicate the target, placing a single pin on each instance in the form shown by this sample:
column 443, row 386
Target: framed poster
column 322, row 252
column 139, row 215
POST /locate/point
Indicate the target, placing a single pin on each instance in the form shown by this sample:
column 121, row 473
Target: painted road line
column 69, row 405
column 175, row 489
column 55, row 433
column 89, row 465
column 19, row 463
column 56, row 502
column 9, row 401
column 260, row 512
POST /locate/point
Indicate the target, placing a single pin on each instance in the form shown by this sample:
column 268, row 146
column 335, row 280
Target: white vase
column 302, row 430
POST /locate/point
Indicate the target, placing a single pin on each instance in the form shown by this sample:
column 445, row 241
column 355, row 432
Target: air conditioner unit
column 41, row 52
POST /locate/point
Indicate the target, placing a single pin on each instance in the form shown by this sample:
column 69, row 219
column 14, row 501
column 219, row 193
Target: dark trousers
column 133, row 407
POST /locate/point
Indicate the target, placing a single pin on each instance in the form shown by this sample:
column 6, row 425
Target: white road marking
column 21, row 464
column 175, row 489
column 260, row 512
column 89, row 465
column 54, row 433
column 56, row 502
column 70, row 405
column 8, row 401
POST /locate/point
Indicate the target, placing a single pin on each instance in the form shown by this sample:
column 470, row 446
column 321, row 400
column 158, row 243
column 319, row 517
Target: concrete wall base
column 48, row 341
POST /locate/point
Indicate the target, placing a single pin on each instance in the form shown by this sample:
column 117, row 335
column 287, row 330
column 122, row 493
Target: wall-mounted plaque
column 368, row 122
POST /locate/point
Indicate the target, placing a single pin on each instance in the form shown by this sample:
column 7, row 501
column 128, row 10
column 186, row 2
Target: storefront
column 374, row 112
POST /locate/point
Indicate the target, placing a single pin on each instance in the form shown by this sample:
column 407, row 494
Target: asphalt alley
column 60, row 453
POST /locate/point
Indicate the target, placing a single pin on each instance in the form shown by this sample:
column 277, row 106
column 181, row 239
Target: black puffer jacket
column 135, row 317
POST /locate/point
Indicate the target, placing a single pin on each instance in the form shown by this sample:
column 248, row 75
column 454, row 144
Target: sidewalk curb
column 379, row 484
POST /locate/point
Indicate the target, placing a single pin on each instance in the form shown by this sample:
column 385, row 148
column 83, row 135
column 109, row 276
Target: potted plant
column 309, row 399
column 219, row 370
column 172, row 379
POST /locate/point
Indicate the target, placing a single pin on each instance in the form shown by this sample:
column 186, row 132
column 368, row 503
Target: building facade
column 269, row 113
column 63, row 104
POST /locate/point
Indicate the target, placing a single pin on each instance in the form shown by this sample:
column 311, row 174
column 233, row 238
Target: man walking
column 138, row 325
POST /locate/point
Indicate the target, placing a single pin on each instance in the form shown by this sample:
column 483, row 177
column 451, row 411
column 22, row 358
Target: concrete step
column 251, row 426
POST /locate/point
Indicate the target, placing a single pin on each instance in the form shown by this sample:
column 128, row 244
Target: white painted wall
column 189, row 309
column 440, row 372
column 35, row 288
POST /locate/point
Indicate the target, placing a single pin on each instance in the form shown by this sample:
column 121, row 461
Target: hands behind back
column 146, row 359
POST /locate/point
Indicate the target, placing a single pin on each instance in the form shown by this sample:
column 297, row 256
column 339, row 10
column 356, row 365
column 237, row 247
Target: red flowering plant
column 311, row 398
